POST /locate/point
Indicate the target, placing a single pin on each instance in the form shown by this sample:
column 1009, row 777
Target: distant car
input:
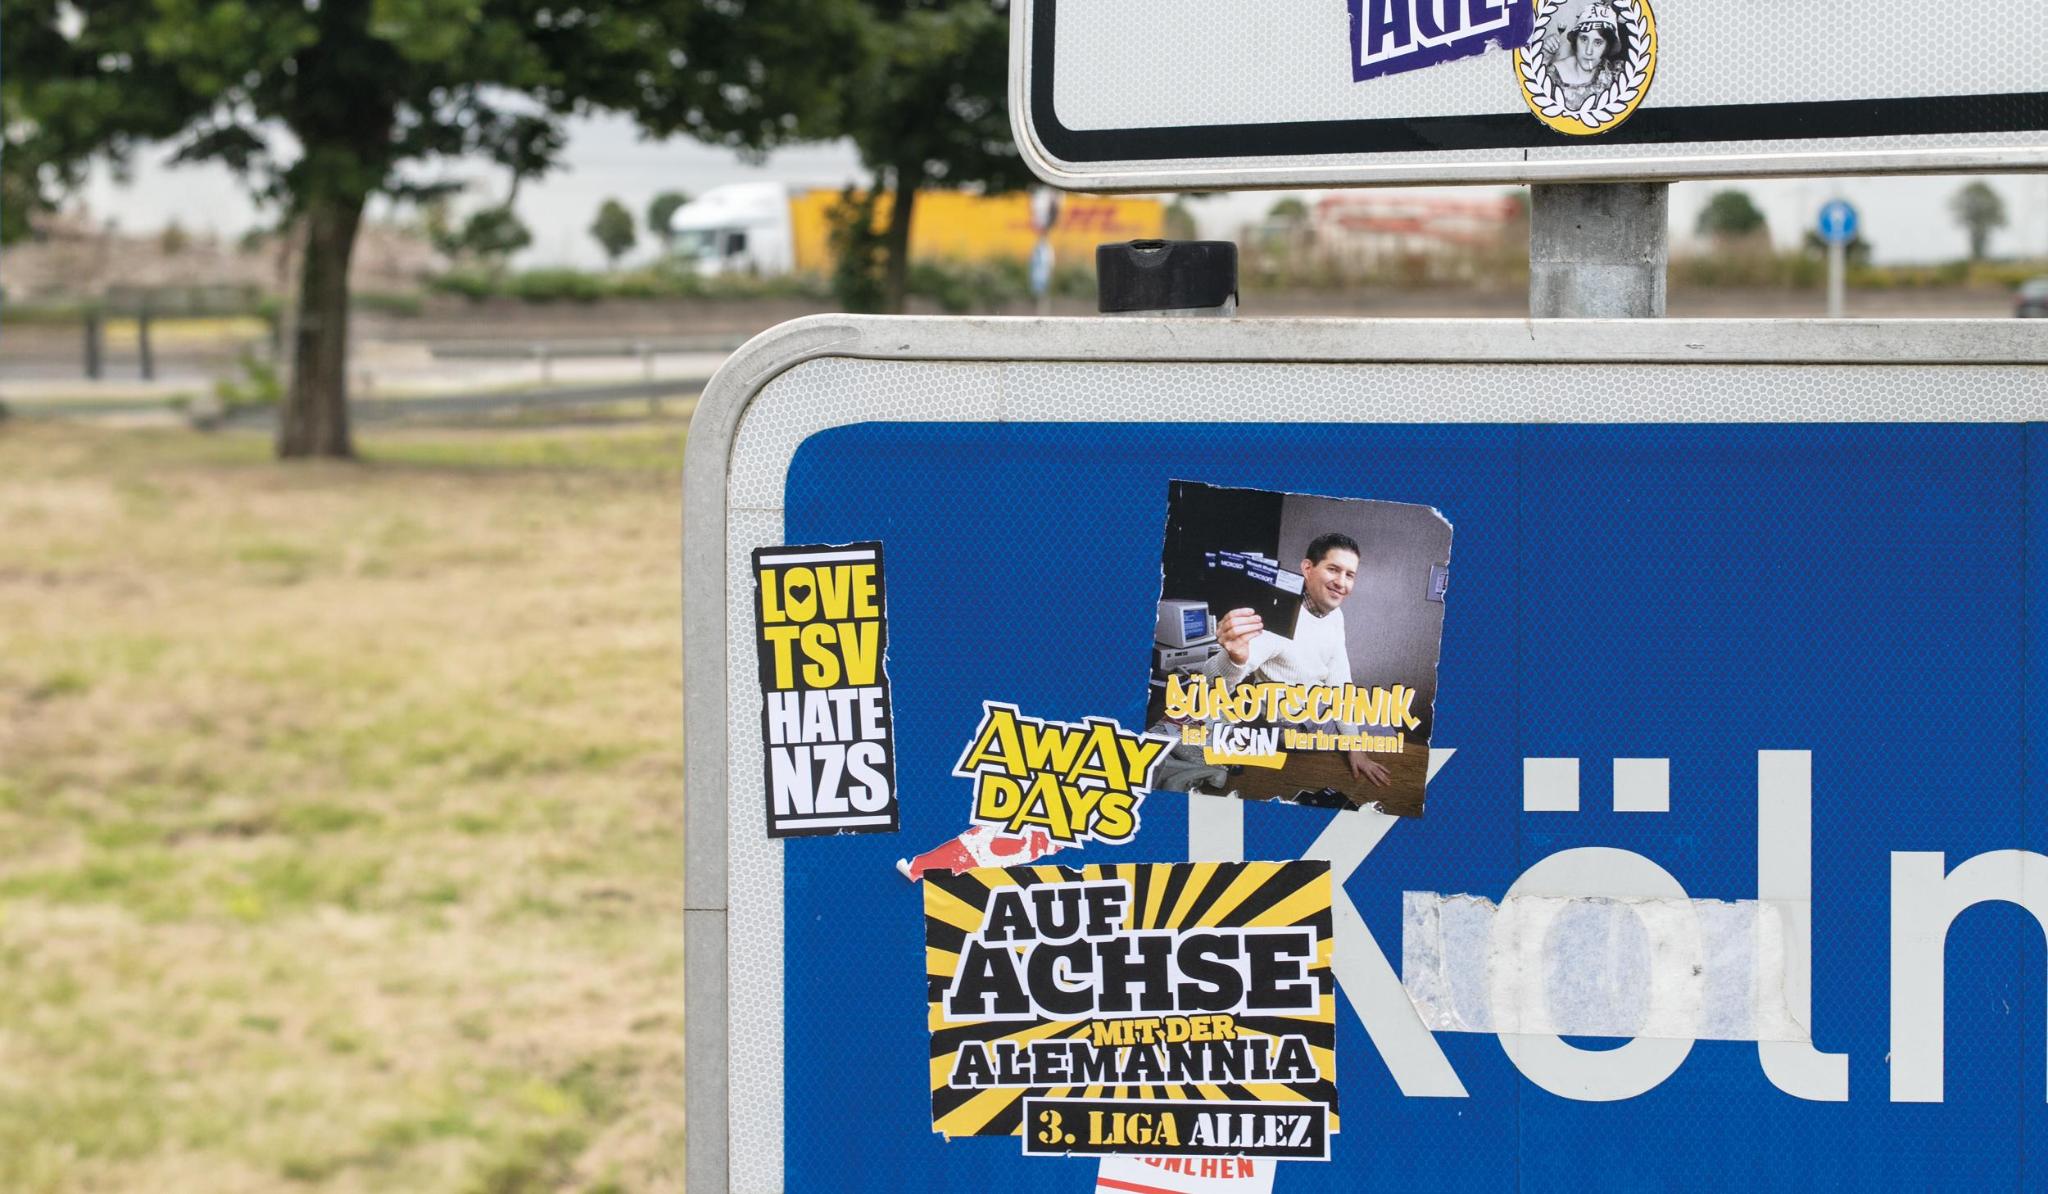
column 2032, row 301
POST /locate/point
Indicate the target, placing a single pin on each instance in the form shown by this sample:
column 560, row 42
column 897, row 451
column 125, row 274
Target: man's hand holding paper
column 1236, row 632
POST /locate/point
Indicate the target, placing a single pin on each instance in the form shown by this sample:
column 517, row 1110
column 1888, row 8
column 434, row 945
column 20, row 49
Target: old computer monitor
column 1183, row 623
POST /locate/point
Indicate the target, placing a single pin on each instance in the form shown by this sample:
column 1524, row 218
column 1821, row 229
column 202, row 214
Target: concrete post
column 95, row 343
column 1838, row 273
column 1598, row 250
column 145, row 353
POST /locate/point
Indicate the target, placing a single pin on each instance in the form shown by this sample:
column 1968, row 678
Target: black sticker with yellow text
column 825, row 721
column 1156, row 1009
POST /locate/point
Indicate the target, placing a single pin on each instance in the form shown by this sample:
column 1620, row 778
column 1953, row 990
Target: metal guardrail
column 606, row 347
column 386, row 409
column 489, row 402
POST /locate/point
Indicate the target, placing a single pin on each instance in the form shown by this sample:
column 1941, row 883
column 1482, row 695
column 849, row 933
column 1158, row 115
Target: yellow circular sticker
column 1587, row 63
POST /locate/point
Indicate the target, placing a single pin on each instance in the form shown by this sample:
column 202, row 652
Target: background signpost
column 1045, row 213
column 1838, row 228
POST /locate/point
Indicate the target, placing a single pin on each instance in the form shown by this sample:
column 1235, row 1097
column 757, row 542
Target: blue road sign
column 1724, row 636
column 1637, row 606
column 1838, row 222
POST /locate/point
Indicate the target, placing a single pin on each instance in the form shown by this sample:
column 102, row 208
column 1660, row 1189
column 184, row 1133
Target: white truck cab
column 740, row 228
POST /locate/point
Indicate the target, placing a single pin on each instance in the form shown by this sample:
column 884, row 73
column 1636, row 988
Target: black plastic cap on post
column 1165, row 275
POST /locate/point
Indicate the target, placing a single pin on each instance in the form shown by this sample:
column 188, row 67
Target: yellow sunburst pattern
column 1219, row 975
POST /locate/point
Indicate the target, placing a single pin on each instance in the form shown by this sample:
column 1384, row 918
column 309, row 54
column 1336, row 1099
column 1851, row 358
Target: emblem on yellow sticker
column 1588, row 63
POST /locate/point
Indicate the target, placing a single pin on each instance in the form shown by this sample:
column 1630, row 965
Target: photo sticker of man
column 1294, row 656
column 1588, row 63
column 1317, row 653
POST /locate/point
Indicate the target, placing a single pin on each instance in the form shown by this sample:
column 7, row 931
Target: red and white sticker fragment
column 1185, row 1175
column 981, row 845
column 1041, row 786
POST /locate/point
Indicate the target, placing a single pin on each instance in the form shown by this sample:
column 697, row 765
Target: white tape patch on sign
column 1598, row 966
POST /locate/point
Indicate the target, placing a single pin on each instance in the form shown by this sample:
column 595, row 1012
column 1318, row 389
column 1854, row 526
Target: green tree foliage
column 923, row 101
column 1730, row 215
column 1856, row 254
column 613, row 230
column 488, row 236
column 857, row 251
column 1291, row 211
column 1981, row 211
column 660, row 210
column 1180, row 221
column 493, row 234
column 321, row 106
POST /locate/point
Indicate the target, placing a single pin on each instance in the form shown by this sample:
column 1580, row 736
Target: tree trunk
column 314, row 421
column 896, row 243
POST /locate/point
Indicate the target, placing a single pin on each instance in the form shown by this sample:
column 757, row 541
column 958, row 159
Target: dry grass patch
column 342, row 813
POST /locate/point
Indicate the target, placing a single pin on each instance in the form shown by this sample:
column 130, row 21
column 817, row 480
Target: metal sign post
column 1045, row 212
column 1838, row 225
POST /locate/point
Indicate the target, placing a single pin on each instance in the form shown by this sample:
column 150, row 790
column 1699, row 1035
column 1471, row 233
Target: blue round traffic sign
column 1837, row 222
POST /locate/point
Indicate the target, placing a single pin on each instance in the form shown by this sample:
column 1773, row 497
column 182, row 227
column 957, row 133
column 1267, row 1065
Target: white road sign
column 1200, row 94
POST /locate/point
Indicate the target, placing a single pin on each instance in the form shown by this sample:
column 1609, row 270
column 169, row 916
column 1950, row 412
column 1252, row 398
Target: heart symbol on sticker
column 796, row 592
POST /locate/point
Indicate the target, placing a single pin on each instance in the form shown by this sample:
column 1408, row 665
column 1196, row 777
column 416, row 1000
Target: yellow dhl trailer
column 770, row 229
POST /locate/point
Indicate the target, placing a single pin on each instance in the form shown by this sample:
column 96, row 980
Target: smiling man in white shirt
column 1317, row 653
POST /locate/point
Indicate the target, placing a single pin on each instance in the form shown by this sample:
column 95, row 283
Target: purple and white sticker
column 1389, row 37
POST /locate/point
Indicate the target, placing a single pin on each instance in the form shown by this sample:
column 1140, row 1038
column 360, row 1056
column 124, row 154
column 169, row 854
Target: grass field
column 340, row 813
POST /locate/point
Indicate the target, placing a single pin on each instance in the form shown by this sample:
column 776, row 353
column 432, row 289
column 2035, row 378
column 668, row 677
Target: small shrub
column 960, row 287
column 475, row 285
column 386, row 302
column 558, row 285
column 257, row 385
column 857, row 251
column 642, row 284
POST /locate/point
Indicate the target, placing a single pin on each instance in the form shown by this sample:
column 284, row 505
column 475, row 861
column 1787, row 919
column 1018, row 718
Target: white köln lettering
column 1927, row 896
